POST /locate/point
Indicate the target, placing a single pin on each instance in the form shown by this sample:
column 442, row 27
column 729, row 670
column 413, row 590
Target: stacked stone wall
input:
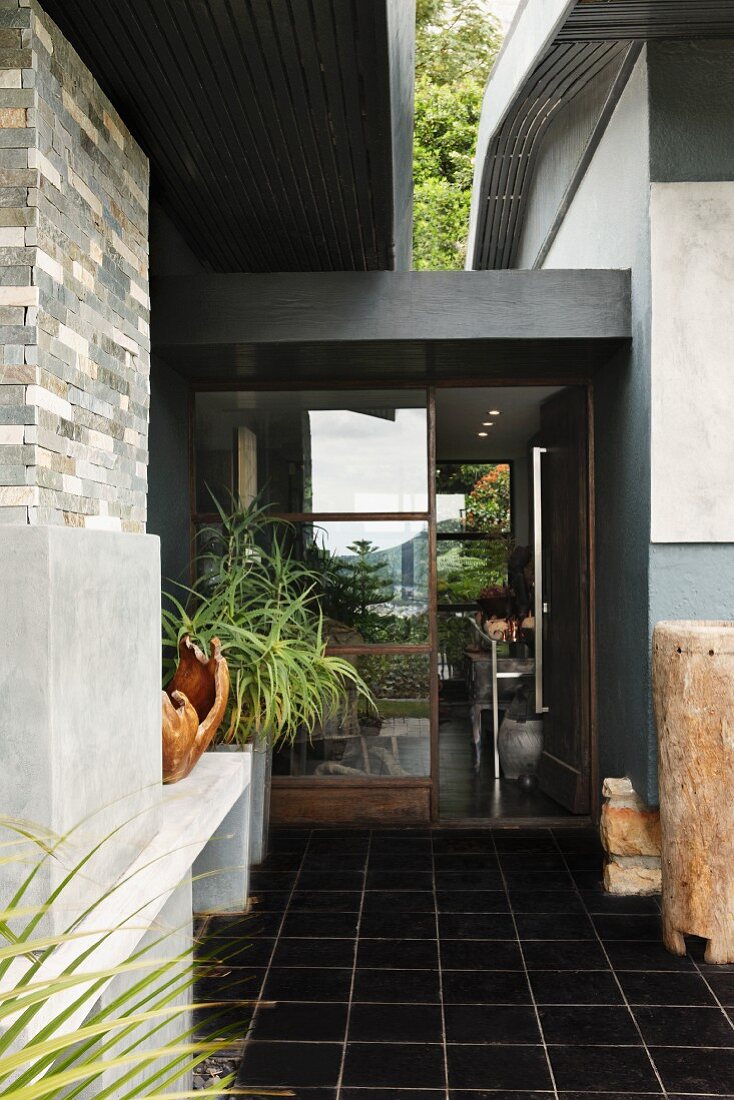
column 74, row 306
column 630, row 836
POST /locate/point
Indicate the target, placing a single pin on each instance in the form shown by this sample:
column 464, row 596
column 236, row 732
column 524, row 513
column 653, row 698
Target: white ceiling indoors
column 460, row 414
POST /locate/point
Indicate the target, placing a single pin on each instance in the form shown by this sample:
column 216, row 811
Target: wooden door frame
column 380, row 797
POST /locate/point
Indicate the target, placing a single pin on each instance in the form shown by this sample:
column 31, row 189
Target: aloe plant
column 263, row 605
column 56, row 1038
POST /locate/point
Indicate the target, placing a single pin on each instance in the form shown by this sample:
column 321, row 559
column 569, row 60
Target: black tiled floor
column 394, row 1065
column 505, row 1067
column 461, row 965
column 624, row 1069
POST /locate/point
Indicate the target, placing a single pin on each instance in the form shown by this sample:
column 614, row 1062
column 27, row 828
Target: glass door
column 350, row 471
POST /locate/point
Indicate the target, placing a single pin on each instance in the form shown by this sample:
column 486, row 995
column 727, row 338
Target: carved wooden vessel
column 193, row 707
column 693, row 690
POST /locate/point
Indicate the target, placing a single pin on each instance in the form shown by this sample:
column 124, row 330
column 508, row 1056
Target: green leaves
column 456, row 45
column 59, row 1036
column 262, row 604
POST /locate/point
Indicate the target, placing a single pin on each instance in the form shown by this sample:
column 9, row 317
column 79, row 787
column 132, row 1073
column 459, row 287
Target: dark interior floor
column 465, row 794
column 460, row 965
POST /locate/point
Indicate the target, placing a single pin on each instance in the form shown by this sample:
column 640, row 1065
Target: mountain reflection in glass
column 373, row 579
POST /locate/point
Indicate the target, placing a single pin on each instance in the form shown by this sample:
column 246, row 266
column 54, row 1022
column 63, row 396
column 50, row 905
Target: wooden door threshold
column 579, row 822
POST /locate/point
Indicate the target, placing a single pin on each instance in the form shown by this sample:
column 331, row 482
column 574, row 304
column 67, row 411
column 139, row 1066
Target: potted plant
column 262, row 604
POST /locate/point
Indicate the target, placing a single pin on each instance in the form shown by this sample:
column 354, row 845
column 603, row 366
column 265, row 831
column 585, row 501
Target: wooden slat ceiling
column 597, row 34
column 268, row 122
column 643, row 19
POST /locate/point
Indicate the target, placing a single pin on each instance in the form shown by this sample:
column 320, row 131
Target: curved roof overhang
column 555, row 49
column 279, row 131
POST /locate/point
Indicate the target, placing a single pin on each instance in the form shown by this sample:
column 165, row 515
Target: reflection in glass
column 315, row 452
column 373, row 579
column 466, row 567
column 356, row 742
column 457, row 632
column 473, row 497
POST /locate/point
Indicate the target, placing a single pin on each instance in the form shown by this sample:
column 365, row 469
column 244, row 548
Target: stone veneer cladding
column 74, row 306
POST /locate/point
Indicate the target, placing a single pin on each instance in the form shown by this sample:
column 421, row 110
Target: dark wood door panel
column 345, row 802
column 564, row 771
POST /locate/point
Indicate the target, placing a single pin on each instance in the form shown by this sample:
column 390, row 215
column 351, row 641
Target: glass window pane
column 373, row 579
column 473, row 497
column 465, row 568
column 457, row 633
column 315, row 452
column 394, row 741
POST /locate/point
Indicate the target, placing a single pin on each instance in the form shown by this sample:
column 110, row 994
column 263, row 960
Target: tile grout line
column 728, row 1013
column 342, row 1065
column 525, row 969
column 276, row 940
column 655, row 1070
column 440, row 975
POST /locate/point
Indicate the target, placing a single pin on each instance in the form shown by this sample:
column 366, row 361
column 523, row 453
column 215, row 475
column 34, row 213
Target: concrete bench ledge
column 190, row 812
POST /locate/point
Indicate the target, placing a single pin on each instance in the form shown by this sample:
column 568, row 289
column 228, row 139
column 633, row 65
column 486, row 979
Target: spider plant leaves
column 57, row 1039
column 263, row 605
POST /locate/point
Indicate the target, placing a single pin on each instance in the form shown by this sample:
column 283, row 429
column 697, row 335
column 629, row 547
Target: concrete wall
column 80, row 684
column 692, row 445
column 607, row 225
column 171, row 937
column 74, row 334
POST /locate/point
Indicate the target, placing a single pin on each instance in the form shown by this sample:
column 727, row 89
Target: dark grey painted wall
column 607, row 224
column 679, row 100
column 168, row 470
column 691, row 110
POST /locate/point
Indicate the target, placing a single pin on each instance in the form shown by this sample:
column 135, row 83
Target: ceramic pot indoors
column 520, row 746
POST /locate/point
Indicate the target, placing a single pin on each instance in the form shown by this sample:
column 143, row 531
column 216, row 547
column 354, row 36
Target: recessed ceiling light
column 487, row 424
column 494, row 412
column 482, row 434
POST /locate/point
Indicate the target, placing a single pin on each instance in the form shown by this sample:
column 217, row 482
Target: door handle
column 540, row 606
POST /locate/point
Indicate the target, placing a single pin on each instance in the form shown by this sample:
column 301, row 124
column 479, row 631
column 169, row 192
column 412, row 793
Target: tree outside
column 457, row 42
column 488, row 503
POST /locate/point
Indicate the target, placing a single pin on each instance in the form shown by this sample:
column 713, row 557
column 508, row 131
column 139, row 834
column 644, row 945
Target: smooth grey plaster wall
column 168, row 472
column 691, row 581
column 171, row 938
column 80, row 685
column 607, row 225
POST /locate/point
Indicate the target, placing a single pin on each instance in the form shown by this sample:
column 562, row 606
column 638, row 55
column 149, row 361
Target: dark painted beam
column 384, row 364
column 231, row 310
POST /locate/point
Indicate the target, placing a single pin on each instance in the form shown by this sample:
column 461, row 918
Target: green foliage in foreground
column 56, row 1040
column 456, row 44
column 262, row 604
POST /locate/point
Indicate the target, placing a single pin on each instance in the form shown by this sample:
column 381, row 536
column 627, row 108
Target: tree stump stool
column 693, row 693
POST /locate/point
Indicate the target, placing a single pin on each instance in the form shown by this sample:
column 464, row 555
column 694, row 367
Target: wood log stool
column 693, row 694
